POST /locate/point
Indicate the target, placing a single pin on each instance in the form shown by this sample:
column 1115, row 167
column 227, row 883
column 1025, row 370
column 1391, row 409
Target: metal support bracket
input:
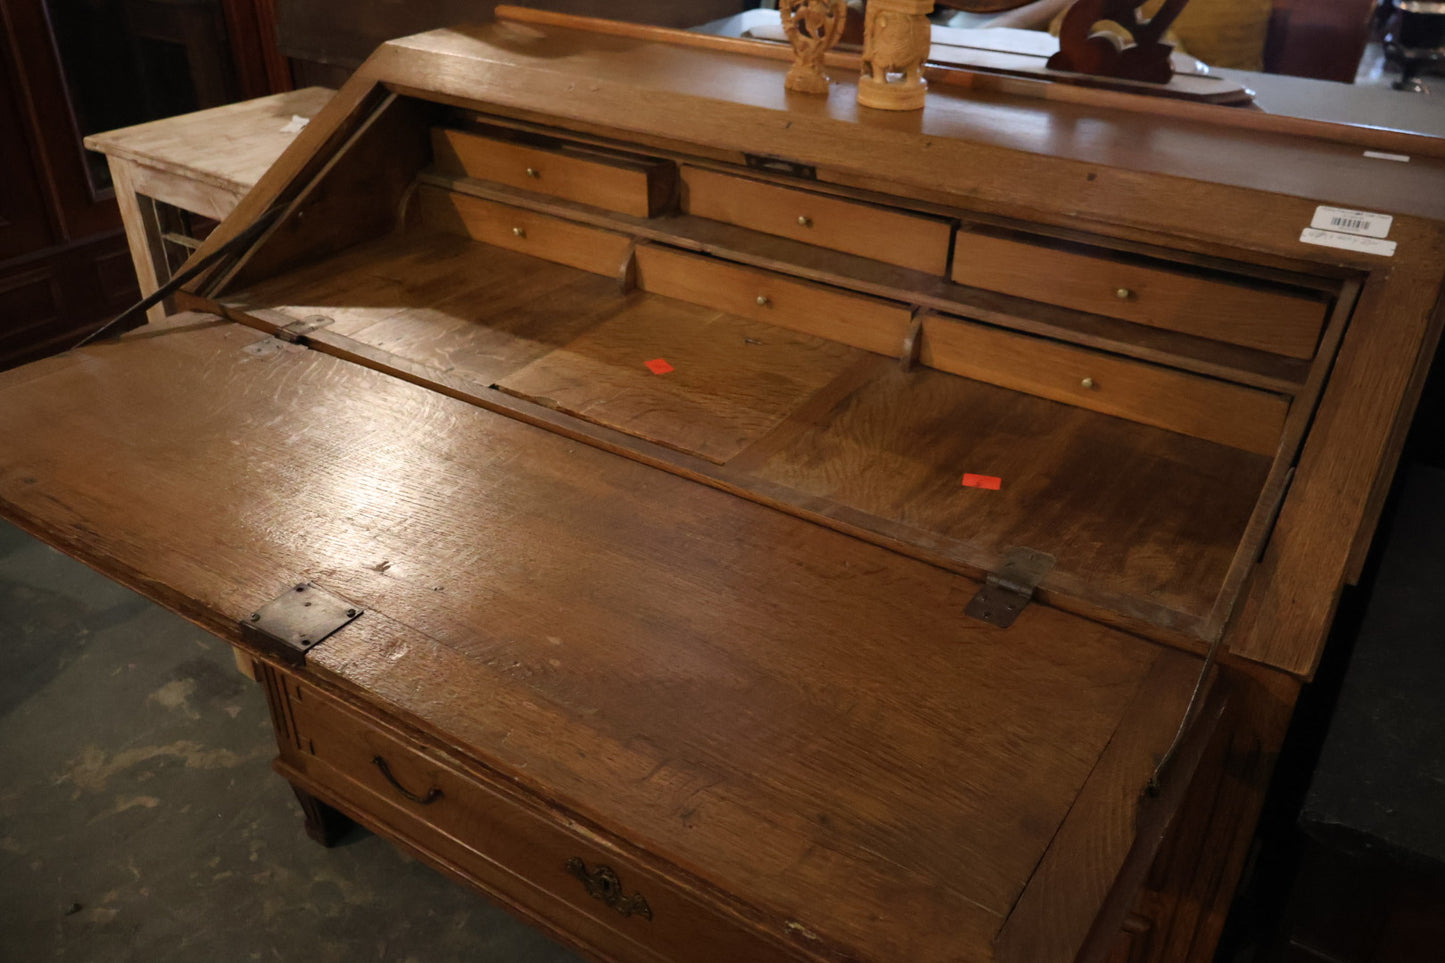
column 1007, row 592
column 298, row 620
column 293, row 333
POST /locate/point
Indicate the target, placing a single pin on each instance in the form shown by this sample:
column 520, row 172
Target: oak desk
column 724, row 525
column 203, row 163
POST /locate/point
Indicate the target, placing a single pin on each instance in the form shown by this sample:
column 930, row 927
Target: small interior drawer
column 551, row 238
column 1231, row 414
column 518, row 852
column 896, row 237
column 851, row 319
column 625, row 183
column 1268, row 319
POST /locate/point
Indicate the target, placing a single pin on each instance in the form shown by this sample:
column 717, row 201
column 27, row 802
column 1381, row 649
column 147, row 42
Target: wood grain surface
column 709, row 665
column 726, row 380
column 226, row 147
column 1129, row 509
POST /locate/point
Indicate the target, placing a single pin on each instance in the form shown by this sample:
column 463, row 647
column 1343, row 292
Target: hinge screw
column 255, row 616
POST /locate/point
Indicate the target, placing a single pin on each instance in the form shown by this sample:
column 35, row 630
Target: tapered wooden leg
column 323, row 823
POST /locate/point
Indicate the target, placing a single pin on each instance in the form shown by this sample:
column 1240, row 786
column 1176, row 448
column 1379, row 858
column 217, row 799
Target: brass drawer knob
column 1088, row 384
column 1123, row 294
column 764, row 301
column 805, row 221
column 533, row 173
column 519, row 231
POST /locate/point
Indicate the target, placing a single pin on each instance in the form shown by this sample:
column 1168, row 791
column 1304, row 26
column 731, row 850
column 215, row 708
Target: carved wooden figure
column 813, row 28
column 1104, row 54
column 897, row 38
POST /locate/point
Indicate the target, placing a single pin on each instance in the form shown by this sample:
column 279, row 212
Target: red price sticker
column 659, row 366
column 982, row 481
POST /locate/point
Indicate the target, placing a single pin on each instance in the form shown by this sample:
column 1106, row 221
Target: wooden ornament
column 896, row 43
column 1081, row 50
column 813, row 28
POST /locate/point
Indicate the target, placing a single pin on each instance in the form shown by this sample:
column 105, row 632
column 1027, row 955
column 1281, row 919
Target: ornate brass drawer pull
column 432, row 795
column 602, row 883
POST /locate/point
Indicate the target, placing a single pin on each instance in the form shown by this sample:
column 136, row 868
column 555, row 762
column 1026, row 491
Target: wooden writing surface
column 706, row 665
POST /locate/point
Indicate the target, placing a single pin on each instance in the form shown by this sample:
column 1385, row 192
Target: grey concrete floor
column 139, row 817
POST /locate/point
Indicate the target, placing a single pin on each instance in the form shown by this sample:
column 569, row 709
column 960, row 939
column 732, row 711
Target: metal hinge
column 1008, row 591
column 293, row 333
column 296, row 621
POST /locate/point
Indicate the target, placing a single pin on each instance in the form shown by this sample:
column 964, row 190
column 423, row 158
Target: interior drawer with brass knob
column 853, row 319
column 613, row 180
column 1191, row 404
column 1255, row 315
column 868, row 230
column 513, row 849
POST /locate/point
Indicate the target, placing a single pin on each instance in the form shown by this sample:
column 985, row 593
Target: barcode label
column 1363, row 223
column 1348, row 242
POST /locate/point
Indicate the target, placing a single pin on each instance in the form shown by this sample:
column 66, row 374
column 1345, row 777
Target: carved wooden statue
column 1104, row 54
column 897, row 39
column 813, row 27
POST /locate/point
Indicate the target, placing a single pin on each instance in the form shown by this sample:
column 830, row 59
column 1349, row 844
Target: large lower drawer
column 532, row 859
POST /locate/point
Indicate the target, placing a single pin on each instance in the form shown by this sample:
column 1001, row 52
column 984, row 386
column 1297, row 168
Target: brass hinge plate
column 1007, row 592
column 298, row 620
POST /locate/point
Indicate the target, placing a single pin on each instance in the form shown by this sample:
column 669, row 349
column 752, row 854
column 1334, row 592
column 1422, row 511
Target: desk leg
column 323, row 823
column 142, row 232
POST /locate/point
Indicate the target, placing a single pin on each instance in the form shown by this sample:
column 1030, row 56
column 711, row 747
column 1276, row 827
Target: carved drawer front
column 1179, row 401
column 908, row 240
column 628, row 184
column 1202, row 304
column 533, row 860
column 851, row 319
column 551, row 238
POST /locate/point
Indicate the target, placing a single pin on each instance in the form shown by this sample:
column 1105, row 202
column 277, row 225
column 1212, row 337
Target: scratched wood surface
column 725, row 381
column 797, row 717
column 1144, row 518
column 1132, row 510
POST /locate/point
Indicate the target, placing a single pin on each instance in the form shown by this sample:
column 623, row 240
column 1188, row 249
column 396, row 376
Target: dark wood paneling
column 51, row 299
column 24, row 223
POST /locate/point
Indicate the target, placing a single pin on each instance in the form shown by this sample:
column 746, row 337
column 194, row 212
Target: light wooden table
column 202, row 163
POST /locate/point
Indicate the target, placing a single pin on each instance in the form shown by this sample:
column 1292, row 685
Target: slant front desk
column 727, row 526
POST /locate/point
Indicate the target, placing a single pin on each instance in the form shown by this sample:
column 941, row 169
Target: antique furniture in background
column 70, row 70
column 175, row 178
column 723, row 525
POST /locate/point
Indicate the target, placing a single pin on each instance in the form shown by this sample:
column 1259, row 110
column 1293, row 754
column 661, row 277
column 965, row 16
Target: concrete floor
column 139, row 817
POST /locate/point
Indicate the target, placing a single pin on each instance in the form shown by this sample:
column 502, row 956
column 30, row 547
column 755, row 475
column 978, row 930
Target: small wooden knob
column 763, row 301
column 1088, row 383
column 1123, row 294
column 519, row 231
column 533, row 172
column 805, row 221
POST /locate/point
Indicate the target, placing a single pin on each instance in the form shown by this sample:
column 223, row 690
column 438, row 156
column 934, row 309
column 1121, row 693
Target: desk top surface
column 228, row 147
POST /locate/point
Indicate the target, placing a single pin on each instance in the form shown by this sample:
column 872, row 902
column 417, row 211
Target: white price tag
column 1362, row 223
column 1348, row 242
